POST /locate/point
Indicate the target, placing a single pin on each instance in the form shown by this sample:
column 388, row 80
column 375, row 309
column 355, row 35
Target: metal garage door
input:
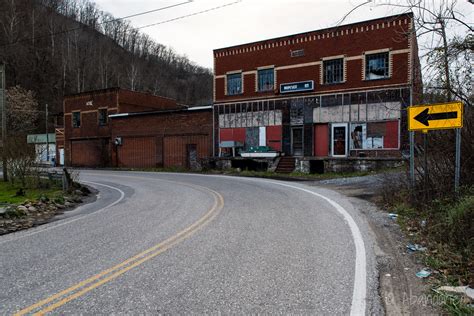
column 138, row 152
column 86, row 153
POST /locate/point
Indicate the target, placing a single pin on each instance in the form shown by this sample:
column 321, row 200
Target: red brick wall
column 175, row 149
column 341, row 41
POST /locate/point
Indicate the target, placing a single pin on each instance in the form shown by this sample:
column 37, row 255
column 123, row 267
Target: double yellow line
column 81, row 288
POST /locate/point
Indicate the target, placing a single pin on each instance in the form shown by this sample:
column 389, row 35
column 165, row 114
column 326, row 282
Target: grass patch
column 8, row 193
column 452, row 304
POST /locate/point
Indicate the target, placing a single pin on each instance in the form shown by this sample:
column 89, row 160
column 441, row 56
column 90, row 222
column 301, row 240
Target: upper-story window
column 334, row 70
column 76, row 119
column 266, row 79
column 376, row 66
column 234, row 84
column 102, row 113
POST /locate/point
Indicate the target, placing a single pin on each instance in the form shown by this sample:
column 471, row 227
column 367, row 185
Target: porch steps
column 286, row 165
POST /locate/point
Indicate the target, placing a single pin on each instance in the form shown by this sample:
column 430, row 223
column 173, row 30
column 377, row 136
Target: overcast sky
column 243, row 22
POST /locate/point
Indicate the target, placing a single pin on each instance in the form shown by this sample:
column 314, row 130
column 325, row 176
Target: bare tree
column 22, row 111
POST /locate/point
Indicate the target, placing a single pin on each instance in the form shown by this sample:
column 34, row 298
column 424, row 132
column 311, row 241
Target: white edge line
column 360, row 275
column 359, row 293
column 122, row 195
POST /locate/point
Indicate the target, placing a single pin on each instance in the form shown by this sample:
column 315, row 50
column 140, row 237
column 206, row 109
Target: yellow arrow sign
column 435, row 116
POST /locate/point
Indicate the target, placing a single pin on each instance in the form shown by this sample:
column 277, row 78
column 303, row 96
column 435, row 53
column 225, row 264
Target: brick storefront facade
column 336, row 92
column 121, row 128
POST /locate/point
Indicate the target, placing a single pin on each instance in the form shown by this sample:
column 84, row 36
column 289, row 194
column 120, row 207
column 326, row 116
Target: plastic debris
column 388, row 275
column 423, row 223
column 415, row 247
column 393, row 215
column 423, row 273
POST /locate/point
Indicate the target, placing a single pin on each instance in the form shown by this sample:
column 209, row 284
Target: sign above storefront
column 297, row 86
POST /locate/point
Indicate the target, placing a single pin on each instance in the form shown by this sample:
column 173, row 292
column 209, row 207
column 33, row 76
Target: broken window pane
column 376, row 66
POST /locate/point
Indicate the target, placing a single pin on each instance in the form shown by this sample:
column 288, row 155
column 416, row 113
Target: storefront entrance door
column 339, row 140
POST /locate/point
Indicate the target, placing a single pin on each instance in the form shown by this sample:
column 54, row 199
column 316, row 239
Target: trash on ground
column 423, row 223
column 423, row 273
column 392, row 215
column 388, row 275
column 415, row 247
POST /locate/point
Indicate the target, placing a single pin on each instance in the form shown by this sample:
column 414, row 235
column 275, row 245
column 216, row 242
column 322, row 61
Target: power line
column 101, row 23
column 148, row 12
column 191, row 14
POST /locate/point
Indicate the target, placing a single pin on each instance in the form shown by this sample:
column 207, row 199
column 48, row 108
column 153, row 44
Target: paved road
column 176, row 243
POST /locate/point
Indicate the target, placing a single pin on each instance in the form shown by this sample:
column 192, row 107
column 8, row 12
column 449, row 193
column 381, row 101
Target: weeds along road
column 182, row 243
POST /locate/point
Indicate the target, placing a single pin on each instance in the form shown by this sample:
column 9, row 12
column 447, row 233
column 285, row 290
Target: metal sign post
column 457, row 167
column 3, row 106
column 412, row 159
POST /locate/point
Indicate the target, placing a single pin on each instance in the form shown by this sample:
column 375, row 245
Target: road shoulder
column 400, row 291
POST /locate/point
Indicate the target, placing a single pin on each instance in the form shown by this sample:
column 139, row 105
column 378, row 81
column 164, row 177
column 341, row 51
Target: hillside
column 59, row 47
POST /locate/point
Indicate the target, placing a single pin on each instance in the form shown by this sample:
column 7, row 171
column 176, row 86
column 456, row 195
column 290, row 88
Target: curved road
column 183, row 243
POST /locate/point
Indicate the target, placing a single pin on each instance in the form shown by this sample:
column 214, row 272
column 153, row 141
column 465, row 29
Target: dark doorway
column 191, row 154
column 297, row 141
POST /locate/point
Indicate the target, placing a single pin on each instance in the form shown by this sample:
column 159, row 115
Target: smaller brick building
column 121, row 128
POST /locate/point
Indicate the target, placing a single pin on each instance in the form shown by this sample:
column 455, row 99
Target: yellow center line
column 124, row 266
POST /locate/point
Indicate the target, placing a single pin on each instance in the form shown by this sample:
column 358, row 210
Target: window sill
column 333, row 83
column 378, row 79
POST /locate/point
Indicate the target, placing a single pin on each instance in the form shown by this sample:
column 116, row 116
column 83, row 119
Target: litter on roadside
column 415, row 247
column 392, row 215
column 423, row 273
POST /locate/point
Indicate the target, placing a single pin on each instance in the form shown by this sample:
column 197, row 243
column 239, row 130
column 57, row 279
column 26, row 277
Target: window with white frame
column 234, row 84
column 376, row 66
column 333, row 70
column 266, row 79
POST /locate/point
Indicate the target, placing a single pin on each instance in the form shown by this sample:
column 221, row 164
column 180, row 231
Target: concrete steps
column 286, row 165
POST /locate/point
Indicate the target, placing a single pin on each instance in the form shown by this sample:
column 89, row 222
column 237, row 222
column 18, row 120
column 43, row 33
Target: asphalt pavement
column 182, row 243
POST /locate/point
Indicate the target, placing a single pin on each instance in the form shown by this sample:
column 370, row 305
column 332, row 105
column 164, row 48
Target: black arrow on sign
column 424, row 117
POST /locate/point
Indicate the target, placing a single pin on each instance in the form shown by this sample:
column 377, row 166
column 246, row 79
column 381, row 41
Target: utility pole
column 3, row 107
column 47, row 136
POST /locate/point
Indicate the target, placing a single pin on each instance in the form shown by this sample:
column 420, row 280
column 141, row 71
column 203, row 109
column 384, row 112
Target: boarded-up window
column 376, row 135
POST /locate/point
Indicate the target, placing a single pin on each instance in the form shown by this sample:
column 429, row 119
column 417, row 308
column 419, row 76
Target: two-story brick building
column 331, row 93
column 121, row 128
